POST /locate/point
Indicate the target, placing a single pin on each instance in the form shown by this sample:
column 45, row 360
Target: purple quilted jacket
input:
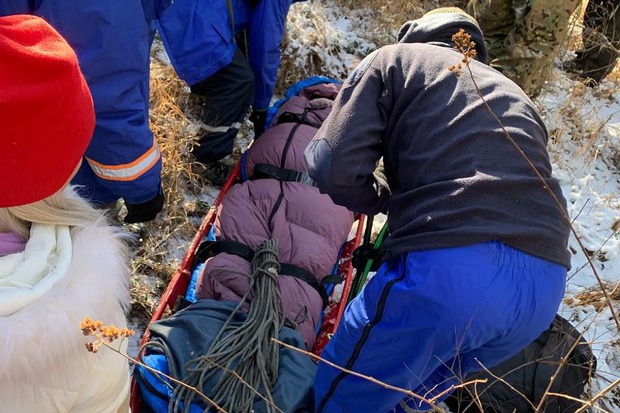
column 309, row 227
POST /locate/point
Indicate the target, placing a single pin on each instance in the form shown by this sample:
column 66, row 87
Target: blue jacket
column 111, row 40
column 199, row 39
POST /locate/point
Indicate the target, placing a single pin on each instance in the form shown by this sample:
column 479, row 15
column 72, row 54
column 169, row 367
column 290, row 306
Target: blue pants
column 429, row 318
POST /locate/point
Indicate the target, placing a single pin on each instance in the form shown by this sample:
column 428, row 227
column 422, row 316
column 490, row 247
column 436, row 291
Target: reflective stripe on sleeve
column 128, row 171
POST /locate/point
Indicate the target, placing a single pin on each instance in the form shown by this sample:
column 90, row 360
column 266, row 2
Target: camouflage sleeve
column 523, row 36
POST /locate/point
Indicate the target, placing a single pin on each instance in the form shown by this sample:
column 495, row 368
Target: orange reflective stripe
column 128, row 171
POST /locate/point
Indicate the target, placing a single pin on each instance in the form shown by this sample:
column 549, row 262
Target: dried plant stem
column 566, row 217
column 510, row 386
column 590, row 403
column 555, row 198
column 432, row 401
column 104, row 342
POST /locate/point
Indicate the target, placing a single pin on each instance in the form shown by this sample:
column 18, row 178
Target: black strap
column 300, row 273
column 265, row 170
column 299, row 118
column 334, row 279
column 211, row 248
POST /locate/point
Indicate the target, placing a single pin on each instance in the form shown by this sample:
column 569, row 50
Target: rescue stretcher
column 181, row 279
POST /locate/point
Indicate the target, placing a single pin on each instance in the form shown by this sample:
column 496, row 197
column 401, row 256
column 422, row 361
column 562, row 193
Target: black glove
column 364, row 253
column 146, row 211
column 258, row 118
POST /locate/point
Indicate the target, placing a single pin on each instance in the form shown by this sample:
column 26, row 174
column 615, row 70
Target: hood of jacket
column 439, row 25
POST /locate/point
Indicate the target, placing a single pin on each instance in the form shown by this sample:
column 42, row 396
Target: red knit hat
column 46, row 111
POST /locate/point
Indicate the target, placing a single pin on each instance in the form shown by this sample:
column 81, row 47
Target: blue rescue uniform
column 111, row 39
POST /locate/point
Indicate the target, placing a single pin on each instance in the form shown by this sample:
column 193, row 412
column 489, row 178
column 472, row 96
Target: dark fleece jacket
column 455, row 178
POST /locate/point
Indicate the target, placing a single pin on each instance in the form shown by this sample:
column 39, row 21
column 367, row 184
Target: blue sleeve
column 266, row 31
column 198, row 38
column 111, row 40
column 10, row 7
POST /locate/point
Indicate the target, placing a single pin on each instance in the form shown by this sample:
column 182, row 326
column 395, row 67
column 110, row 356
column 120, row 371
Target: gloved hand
column 258, row 118
column 146, row 211
column 364, row 253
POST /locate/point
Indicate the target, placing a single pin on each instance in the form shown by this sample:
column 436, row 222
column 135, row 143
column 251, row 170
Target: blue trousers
column 429, row 318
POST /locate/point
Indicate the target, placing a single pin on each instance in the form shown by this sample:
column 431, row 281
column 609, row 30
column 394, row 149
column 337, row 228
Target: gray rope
column 246, row 350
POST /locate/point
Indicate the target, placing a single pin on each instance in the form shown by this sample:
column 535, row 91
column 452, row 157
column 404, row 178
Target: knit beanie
column 439, row 25
column 46, row 111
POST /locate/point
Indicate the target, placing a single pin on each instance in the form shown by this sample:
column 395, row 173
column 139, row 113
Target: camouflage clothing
column 601, row 40
column 523, row 35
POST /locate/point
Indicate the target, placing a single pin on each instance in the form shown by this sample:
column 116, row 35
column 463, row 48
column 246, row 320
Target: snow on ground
column 586, row 122
column 584, row 127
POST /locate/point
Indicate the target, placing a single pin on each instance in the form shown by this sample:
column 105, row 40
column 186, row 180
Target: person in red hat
column 112, row 40
column 59, row 259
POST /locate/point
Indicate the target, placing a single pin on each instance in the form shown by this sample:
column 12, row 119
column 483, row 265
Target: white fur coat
column 44, row 366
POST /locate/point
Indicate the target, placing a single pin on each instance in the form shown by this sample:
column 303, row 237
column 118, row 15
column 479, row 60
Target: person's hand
column 146, row 211
column 258, row 118
column 365, row 253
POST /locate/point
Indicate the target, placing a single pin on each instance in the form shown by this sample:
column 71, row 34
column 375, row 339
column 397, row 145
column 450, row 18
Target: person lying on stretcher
column 275, row 216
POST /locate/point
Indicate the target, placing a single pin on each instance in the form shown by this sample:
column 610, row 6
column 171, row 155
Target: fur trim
column 44, row 335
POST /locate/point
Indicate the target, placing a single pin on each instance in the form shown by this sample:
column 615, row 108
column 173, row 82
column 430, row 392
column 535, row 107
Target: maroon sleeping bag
column 309, row 227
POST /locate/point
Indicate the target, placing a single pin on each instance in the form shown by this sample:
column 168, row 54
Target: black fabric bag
column 190, row 332
column 529, row 373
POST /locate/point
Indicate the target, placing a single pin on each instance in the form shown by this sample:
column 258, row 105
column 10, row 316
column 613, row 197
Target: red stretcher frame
column 180, row 281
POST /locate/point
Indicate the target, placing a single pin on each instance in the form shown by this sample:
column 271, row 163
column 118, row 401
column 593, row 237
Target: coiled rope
column 246, row 351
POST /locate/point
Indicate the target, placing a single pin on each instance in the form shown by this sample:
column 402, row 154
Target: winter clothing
column 11, row 243
column 259, row 118
column 62, row 276
column 433, row 30
column 200, row 40
column 225, row 97
column 123, row 160
column 523, row 36
column 146, row 211
column 446, row 304
column 230, row 71
column 310, row 229
column 467, row 218
column 40, row 77
column 447, row 195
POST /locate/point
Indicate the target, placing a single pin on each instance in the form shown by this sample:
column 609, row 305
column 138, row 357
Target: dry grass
column 595, row 297
column 327, row 51
column 324, row 51
column 176, row 133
